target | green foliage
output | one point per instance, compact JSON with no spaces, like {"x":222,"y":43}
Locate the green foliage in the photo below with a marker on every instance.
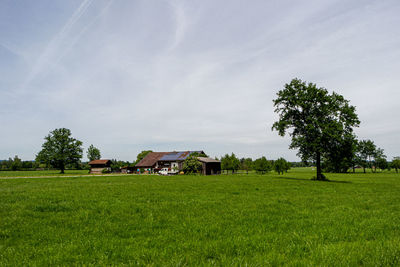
{"x":116,"y":165}
{"x":396,"y":164}
{"x":230,"y":162}
{"x":281,"y":165}
{"x":60,"y":149}
{"x":246,"y":164}
{"x":93,"y":153}
{"x":370,"y":156}
{"x":16,"y":164}
{"x":105,"y":170}
{"x":382,"y":163}
{"x":191,"y":164}
{"x":342,"y":156}
{"x":262,"y":165}
{"x":249,"y":220}
{"x":318,"y":121}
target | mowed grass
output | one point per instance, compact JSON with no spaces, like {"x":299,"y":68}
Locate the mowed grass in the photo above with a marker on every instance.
{"x":254,"y":220}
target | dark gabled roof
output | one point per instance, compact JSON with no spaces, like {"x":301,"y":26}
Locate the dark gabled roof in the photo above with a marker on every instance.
{"x":207,"y":160}
{"x":178,"y":156}
{"x":150,"y":159}
{"x":99,"y":161}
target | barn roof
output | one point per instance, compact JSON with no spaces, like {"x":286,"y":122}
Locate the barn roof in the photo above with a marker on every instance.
{"x":99,"y":161}
{"x":207,"y":160}
{"x":178,"y":156}
{"x":150,"y":159}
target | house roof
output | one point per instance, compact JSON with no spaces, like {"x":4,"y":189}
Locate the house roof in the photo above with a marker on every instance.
{"x":150,"y":159}
{"x":99,"y":161}
{"x":178,"y":156}
{"x":207,"y":160}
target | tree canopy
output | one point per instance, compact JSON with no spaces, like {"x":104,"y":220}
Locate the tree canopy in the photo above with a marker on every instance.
{"x":60,"y":149}
{"x":281,"y":165}
{"x":191,"y":164}
{"x":318,"y":121}
{"x":93,"y":153}
{"x":230,"y":162}
{"x":262,"y":165}
{"x":396,"y":163}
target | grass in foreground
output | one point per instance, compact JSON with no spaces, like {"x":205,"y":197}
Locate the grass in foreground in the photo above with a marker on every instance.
{"x":196,"y":220}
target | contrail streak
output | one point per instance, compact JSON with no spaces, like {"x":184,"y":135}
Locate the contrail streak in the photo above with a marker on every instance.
{"x":51,"y":49}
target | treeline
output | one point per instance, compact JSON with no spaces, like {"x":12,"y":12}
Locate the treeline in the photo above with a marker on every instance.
{"x":354,"y":154}
{"x":260,"y":165}
{"x":16,"y":164}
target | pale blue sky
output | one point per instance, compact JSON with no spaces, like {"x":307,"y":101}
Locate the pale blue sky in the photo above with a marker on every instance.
{"x":188,"y":75}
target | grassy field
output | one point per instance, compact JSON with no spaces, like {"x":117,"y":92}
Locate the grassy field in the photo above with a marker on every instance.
{"x":196,"y":220}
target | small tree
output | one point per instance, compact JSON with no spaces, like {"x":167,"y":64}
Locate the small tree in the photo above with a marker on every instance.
{"x":262,"y":165}
{"x":379,"y":159}
{"x":366,"y":151}
{"x":60,"y":149}
{"x":396,"y":164}
{"x":93,"y":153}
{"x":16,"y":164}
{"x":191,"y":164}
{"x":382,"y":164}
{"x":281,"y":165}
{"x":247,"y":164}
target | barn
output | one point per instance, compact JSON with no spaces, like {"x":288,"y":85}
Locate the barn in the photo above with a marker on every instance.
{"x":210,"y":166}
{"x":98,"y":165}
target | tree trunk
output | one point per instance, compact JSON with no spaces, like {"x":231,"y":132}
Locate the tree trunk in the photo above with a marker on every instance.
{"x":364,"y":169}
{"x":319,"y":171}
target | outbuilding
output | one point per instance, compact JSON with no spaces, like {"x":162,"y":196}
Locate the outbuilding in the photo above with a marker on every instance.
{"x":98,"y":165}
{"x":210,"y":166}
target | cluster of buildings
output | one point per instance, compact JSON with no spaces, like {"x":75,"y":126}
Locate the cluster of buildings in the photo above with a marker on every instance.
{"x":155,"y":162}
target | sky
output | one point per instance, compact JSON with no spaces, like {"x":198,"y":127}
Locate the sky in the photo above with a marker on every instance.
{"x":166,"y":75}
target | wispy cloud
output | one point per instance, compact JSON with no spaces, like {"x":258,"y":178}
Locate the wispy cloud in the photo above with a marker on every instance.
{"x":46,"y":59}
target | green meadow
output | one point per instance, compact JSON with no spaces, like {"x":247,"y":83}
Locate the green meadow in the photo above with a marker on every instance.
{"x":255,"y":220}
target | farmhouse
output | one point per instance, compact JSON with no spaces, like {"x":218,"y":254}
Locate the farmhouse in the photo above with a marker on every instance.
{"x":150,"y":162}
{"x":98,"y":165}
{"x":155,"y":161}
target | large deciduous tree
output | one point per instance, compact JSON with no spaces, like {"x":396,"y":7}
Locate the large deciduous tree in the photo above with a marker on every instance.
{"x":60,"y":149}
{"x":317,"y":119}
{"x":93,"y":153}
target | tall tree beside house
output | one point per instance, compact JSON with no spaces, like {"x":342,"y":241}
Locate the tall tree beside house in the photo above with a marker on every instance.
{"x":60,"y":149}
{"x":93,"y":153}
{"x":191,"y":165}
{"x":141,"y":155}
{"x":317,"y":120}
